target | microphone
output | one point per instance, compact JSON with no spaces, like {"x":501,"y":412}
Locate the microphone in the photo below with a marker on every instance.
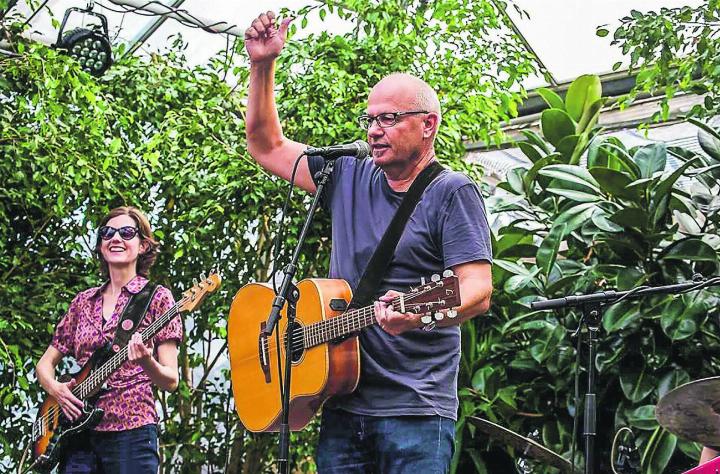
{"x":358,"y":149}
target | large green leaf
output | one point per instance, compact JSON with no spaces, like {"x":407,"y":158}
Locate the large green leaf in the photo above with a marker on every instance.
{"x":576,"y":216}
{"x":566,"y":146}
{"x":693,"y":249}
{"x":529,"y":180}
{"x":551,"y":98}
{"x":615,"y":183}
{"x":619,"y":316}
{"x":548,"y":250}
{"x":661,"y":192}
{"x":574,"y":195}
{"x":603,"y":223}
{"x":651,"y":159}
{"x":658,"y":452}
{"x":630,"y":217}
{"x":674,"y":378}
{"x":571,"y":173}
{"x":512,"y":267}
{"x":637,"y":384}
{"x":589,"y":117}
{"x":584,"y":91}
{"x":643,"y":417}
{"x":609,"y":152}
{"x":678,"y":319}
{"x":556,"y":124}
{"x":530,"y":151}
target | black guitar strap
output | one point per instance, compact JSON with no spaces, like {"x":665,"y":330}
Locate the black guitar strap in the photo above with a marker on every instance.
{"x":380,"y":260}
{"x":132,"y":315}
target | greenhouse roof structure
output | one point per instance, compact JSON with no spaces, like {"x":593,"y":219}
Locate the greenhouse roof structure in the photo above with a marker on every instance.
{"x":561,"y":34}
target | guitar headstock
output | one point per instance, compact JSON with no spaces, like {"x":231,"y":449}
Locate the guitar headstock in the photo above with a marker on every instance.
{"x":438,"y":294}
{"x":194,"y":296}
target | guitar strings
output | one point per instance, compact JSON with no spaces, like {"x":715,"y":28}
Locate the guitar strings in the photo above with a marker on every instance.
{"x":322,"y":329}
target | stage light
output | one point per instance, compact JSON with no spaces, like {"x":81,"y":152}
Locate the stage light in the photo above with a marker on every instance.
{"x":89,"y":46}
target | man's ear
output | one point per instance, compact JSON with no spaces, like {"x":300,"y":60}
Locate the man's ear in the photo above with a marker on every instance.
{"x":430,"y":125}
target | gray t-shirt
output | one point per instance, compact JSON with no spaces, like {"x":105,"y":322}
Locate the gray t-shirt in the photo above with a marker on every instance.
{"x":414,"y":373}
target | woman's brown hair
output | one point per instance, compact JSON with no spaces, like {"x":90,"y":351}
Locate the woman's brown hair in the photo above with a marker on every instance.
{"x":146,"y":259}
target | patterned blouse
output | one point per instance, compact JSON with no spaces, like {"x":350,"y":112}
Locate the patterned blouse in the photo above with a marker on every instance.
{"x":128,"y":402}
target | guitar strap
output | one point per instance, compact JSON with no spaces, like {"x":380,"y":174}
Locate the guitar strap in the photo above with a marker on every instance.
{"x":132,"y":315}
{"x":380,"y":260}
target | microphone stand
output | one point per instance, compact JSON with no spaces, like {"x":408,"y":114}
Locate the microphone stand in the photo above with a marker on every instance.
{"x":290,"y":294}
{"x":592,"y":306}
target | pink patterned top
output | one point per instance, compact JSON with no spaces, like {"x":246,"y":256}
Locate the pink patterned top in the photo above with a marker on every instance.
{"x":129,"y":402}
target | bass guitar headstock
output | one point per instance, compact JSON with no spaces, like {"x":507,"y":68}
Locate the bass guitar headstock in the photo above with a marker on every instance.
{"x":194,"y":296}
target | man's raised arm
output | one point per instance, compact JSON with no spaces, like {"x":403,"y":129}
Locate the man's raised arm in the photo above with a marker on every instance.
{"x":264,"y":41}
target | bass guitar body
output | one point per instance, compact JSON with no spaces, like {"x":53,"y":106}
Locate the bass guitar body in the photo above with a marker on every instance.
{"x":52,"y":430}
{"x":319,"y":370}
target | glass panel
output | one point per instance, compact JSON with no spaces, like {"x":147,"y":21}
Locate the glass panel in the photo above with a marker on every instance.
{"x":562,"y":33}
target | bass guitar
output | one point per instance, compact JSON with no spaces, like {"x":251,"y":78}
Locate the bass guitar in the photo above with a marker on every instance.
{"x":326,"y":350}
{"x":52,"y":430}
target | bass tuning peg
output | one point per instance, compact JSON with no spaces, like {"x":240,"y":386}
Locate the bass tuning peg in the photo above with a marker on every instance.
{"x":448,"y":273}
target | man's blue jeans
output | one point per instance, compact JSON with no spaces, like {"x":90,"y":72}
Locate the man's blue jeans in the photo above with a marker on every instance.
{"x":352,"y":443}
{"x":113,"y":452}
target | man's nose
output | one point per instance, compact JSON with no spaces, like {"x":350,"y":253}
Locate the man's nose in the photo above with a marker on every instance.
{"x":375,"y":130}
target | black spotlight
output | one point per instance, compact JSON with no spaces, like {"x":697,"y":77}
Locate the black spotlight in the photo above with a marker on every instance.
{"x":89,"y":46}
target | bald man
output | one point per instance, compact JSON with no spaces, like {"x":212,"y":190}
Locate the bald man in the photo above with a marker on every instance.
{"x":401,"y":416}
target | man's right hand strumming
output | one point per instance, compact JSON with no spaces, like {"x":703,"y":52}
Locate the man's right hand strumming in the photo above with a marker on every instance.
{"x":264,"y":39}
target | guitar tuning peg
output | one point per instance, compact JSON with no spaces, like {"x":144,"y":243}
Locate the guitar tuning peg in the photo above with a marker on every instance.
{"x":438,"y":316}
{"x":448,"y":273}
{"x":451,"y":313}
{"x":195,"y":281}
{"x":422,"y":280}
{"x":426,"y":319}
{"x":435,"y":277}
{"x":202,"y":276}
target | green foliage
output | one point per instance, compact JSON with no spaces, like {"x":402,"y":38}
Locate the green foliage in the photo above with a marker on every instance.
{"x":171,"y":141}
{"x":620,"y":222}
{"x":674,"y":50}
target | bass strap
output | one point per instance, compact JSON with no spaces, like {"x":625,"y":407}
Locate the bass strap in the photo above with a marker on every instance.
{"x":380,"y":260}
{"x":132,"y":315}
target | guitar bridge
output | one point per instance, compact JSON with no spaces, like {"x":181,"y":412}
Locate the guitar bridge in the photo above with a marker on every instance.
{"x":263,"y":353}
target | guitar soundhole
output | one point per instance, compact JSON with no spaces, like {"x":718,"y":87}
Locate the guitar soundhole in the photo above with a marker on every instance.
{"x":298,"y":345}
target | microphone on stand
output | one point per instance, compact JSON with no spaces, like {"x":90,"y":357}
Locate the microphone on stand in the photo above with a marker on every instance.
{"x":358,"y":149}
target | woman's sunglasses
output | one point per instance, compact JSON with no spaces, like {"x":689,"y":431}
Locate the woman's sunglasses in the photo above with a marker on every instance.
{"x":126,"y":232}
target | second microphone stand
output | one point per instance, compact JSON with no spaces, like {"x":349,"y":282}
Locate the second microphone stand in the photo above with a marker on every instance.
{"x":592,"y":306}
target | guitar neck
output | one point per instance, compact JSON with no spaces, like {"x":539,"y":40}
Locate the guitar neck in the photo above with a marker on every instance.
{"x":99,"y":375}
{"x":340,"y":326}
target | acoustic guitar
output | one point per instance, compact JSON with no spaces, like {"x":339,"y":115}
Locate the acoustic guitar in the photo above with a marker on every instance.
{"x":326,"y":352}
{"x":52,"y":430}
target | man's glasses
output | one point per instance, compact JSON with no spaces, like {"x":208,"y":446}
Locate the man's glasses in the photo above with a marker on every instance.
{"x":126,"y":232}
{"x":388,"y":119}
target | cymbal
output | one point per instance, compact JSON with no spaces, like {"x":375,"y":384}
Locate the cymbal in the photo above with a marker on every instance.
{"x":692,"y":411}
{"x":526,"y":447}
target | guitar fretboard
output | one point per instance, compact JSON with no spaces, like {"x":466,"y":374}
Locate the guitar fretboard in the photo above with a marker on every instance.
{"x":340,"y":326}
